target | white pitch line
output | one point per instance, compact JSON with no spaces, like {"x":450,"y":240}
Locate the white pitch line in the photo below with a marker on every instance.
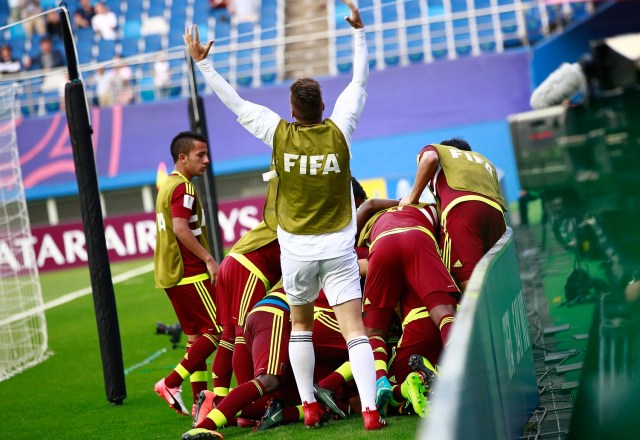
{"x":148,"y":360}
{"x":75,"y":295}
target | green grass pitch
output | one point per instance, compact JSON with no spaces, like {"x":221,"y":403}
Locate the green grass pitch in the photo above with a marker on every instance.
{"x":64,"y":397}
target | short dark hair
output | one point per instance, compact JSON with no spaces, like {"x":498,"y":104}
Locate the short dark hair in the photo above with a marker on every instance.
{"x":457,"y":142}
{"x":183,"y":143}
{"x":306,"y":99}
{"x":358,"y":190}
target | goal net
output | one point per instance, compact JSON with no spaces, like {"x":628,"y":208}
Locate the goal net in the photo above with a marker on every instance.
{"x":23,"y":330}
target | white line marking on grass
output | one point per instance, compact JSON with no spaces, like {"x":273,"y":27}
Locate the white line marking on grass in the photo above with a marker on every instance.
{"x":75,"y":295}
{"x":152,"y":357}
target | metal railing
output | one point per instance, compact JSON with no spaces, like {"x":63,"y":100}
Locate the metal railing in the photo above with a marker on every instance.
{"x":438,"y":33}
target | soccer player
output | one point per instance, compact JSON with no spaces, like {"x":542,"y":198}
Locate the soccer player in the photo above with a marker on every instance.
{"x":246,"y":274}
{"x":466,"y":185}
{"x":314,"y":211}
{"x":403,"y":257}
{"x":184,"y":266}
{"x":267,"y":332}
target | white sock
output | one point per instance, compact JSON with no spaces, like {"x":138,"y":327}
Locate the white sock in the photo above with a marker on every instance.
{"x":303,"y":359}
{"x":364,"y":372}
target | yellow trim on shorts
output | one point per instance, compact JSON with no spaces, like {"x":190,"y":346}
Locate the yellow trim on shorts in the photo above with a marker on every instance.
{"x":467,"y":198}
{"x":400,"y":230}
{"x":275,"y":343}
{"x":193,"y":279}
{"x":247,"y":293}
{"x":208,"y":303}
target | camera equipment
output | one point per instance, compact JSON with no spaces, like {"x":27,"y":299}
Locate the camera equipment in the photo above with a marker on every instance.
{"x":585,"y":162}
{"x":174,"y":331}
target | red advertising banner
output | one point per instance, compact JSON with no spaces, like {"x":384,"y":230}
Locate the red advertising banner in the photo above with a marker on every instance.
{"x":128,"y":237}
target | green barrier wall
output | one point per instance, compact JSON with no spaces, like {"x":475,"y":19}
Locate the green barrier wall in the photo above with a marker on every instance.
{"x":487,"y":386}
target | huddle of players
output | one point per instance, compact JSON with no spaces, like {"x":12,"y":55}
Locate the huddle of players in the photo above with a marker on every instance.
{"x":408,"y":252}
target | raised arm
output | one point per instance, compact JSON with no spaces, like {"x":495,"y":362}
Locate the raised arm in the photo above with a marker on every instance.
{"x":258,"y":120}
{"x":426,"y":169}
{"x":350,"y":103}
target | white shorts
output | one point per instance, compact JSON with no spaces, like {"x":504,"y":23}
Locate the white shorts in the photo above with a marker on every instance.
{"x":339,"y":278}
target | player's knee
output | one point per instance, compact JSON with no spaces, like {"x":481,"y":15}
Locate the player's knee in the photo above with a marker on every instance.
{"x":270,"y":382}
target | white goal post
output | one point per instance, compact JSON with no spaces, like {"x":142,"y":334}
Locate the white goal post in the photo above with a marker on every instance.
{"x":23,"y":336}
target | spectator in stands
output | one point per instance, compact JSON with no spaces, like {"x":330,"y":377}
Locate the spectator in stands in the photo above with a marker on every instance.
{"x":29,"y":8}
{"x":161,"y":75}
{"x":83,"y":15}
{"x":122,"y":76}
{"x":104,"y":22}
{"x":14,"y":10}
{"x":48,"y":57}
{"x":8,"y":64}
{"x":105,"y":81}
{"x":244,"y":10}
{"x":53,"y":25}
{"x":221,"y":9}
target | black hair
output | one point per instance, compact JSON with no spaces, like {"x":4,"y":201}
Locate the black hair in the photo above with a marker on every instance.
{"x":183,"y":143}
{"x":457,"y":142}
{"x":358,"y":190}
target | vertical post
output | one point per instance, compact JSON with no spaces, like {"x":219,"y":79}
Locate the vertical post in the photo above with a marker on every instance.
{"x":206,"y":185}
{"x":103,"y":295}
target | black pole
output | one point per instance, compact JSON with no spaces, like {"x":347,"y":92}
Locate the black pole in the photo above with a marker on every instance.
{"x":104,"y":300}
{"x":206,"y":185}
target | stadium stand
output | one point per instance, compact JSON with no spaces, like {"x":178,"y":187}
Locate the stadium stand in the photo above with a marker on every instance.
{"x":253,"y":54}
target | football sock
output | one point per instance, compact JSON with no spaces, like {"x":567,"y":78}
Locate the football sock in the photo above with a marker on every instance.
{"x":175,"y":378}
{"x":199,"y":380}
{"x":362,"y":365}
{"x":445,"y":327}
{"x":380,"y":356}
{"x":339,"y":377}
{"x":302,"y":358}
{"x":221,"y":370}
{"x":242,"y":361}
{"x":200,"y":350}
{"x":236,"y":400}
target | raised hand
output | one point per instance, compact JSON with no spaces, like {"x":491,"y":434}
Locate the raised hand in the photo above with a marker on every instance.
{"x":197,"y":50}
{"x":355,"y":21}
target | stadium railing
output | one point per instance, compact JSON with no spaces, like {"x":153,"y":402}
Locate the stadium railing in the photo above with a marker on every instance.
{"x":399,"y":32}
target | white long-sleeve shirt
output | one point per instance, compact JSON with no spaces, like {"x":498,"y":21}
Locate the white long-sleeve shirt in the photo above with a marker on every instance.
{"x":262,"y":123}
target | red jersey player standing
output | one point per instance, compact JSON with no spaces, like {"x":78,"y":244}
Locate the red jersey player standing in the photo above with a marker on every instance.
{"x":183,"y":264}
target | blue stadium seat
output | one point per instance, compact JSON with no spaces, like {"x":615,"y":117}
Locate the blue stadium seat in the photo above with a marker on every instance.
{"x":16,"y":32}
{"x":152,"y":43}
{"x":130,"y":47}
{"x":438,"y":40}
{"x":462,"y":36}
{"x":486,"y":33}
{"x":391,"y":47}
{"x":131,"y":29}
{"x":106,"y":50}
{"x":415,"y":50}
{"x":52,"y":101}
{"x":175,"y":38}
{"x":156,"y":8}
{"x":84,"y":34}
{"x":84,"y":49}
{"x":134,"y":10}
{"x":145,"y":85}
{"x":115,"y":6}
